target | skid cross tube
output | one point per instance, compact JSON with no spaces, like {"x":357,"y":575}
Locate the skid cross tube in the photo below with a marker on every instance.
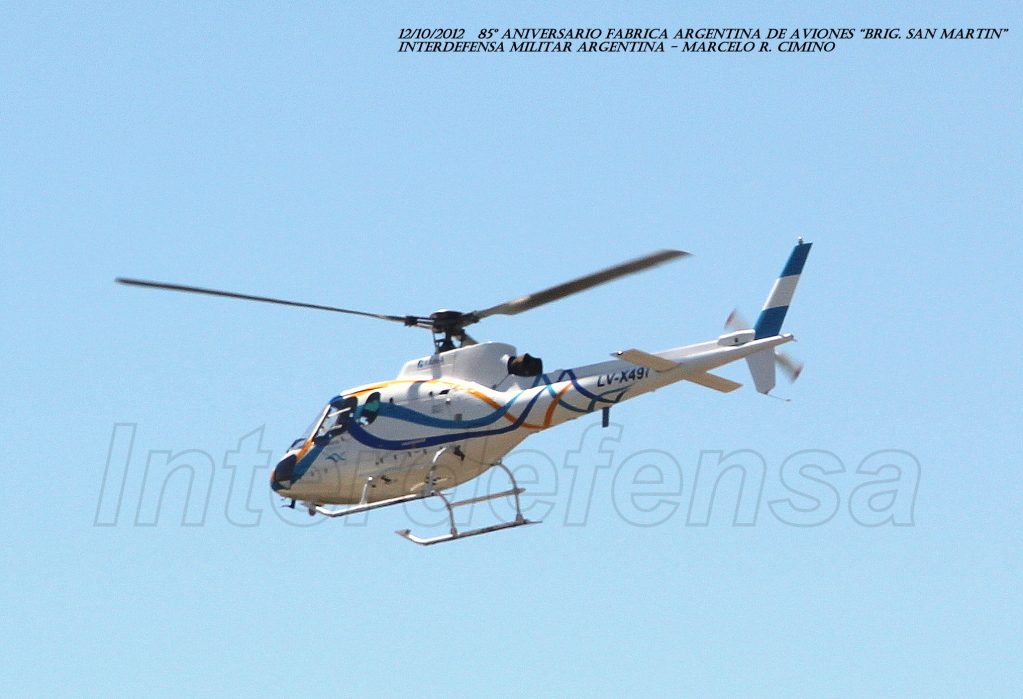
{"x":429,"y":492}
{"x":453,"y":533}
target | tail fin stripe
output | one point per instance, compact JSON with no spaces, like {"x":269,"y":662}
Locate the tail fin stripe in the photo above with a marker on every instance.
{"x":781,"y":294}
{"x":797,"y":260}
{"x":769,"y":322}
{"x":773,"y":315}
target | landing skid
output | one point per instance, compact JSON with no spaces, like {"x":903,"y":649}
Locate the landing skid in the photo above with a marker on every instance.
{"x":429,"y":492}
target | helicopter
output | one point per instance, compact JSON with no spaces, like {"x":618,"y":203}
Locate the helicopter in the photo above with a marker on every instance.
{"x":451,"y":416}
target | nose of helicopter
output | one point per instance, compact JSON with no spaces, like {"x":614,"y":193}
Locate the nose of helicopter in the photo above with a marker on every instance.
{"x":281,"y":478}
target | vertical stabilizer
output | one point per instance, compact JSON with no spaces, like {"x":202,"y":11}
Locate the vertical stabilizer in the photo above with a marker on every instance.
{"x":761,"y":364}
{"x":761,"y":368}
{"x":777,"y":304}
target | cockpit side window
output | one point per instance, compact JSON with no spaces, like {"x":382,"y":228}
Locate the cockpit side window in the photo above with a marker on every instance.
{"x":369,"y":411}
{"x":336,"y":420}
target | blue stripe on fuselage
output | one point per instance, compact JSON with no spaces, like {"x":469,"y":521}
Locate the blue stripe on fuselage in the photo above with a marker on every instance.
{"x":400,"y":412}
{"x":370,"y":440}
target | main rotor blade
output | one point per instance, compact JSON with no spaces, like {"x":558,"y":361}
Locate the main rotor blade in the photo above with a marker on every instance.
{"x":560,"y":291}
{"x":405,"y":320}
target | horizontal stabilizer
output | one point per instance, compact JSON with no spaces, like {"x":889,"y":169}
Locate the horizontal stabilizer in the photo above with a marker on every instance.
{"x":645,"y":359}
{"x":718,"y":383}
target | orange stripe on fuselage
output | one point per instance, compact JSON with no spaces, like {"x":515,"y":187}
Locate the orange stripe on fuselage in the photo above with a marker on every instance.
{"x":455,"y":384}
{"x":554,"y":404}
{"x":461,"y":386}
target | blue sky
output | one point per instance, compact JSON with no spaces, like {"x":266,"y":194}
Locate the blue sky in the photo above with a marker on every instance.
{"x":290,"y":150}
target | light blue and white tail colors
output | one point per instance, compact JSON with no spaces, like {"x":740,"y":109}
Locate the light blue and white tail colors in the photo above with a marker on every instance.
{"x":777,"y":304}
{"x":761,"y":364}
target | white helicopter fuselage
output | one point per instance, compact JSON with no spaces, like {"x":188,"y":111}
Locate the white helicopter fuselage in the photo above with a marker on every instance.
{"x":457,"y":413}
{"x":449,"y":417}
